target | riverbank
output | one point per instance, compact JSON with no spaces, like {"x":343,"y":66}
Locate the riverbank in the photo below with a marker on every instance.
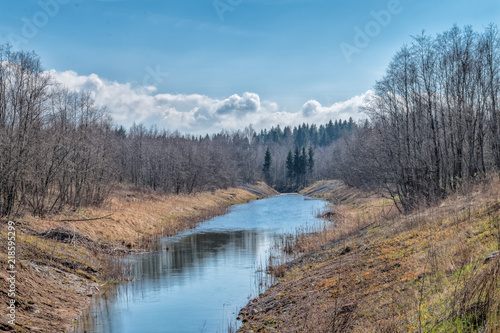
{"x":379,"y":271}
{"x":63,"y":260}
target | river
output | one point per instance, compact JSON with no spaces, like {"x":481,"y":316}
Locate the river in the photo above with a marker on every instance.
{"x":199,"y":279}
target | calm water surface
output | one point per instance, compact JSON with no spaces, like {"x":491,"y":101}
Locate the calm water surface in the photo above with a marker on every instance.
{"x":207,"y":274}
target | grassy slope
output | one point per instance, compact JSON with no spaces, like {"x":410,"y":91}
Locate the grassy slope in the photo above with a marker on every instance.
{"x":55,"y":279}
{"x":136,"y":216}
{"x":378,"y":271}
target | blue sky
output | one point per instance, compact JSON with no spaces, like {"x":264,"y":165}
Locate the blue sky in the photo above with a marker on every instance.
{"x":281,"y":54}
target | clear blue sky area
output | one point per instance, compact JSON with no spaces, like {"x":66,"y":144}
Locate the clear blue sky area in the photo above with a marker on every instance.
{"x":286,"y":51}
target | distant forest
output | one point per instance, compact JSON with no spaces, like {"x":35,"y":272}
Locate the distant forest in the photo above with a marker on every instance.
{"x":432,"y":126}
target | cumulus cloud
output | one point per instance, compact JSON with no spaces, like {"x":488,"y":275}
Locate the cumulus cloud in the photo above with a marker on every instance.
{"x":200,"y":114}
{"x":248,"y":103}
{"x":313,"y":111}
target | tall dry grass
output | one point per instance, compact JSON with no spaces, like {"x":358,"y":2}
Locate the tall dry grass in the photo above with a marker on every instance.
{"x":133,"y":219}
{"x":342,"y":222}
{"x":422,"y":272}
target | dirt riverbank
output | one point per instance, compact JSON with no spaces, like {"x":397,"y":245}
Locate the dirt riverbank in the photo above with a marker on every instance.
{"x":375,"y":270}
{"x":63,"y":260}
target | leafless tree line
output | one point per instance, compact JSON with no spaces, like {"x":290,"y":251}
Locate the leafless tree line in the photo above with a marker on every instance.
{"x":434,"y":122}
{"x":173,"y":163}
{"x":53,"y":143}
{"x":58,"y":149}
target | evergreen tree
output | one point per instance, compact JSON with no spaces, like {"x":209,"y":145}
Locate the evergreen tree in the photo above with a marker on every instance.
{"x":313,"y":135}
{"x":289,"y":165}
{"x":350,"y":125}
{"x":297,"y":165}
{"x":266,"y":169}
{"x":330,"y":131}
{"x":287,"y":132}
{"x":310,"y":162}
{"x":303,"y":166}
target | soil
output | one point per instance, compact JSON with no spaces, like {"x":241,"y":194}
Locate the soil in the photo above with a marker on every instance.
{"x":48,"y":299}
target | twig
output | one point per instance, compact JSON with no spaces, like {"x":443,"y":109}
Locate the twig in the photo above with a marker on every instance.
{"x":82,"y":220}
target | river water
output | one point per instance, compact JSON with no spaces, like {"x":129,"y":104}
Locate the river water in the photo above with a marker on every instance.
{"x":206,"y":275}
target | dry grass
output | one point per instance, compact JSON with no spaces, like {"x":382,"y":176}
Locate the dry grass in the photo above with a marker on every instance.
{"x":64,"y":259}
{"x":53,"y":281}
{"x":424,"y":272}
{"x":353,"y":212}
{"x":137,"y":217}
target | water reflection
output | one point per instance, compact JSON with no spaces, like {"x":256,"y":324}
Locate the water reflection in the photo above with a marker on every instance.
{"x":206,"y":274}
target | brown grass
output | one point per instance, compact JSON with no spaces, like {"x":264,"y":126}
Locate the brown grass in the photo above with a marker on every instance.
{"x":137,"y":217}
{"x":64,"y":259}
{"x":53,"y":281}
{"x":423,"y":272}
{"x":353,"y":212}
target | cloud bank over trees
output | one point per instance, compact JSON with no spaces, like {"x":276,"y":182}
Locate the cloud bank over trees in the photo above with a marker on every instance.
{"x":200,"y":114}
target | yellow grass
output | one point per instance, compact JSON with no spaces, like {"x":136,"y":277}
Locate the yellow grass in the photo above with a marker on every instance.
{"x":54,"y":279}
{"x":379,"y":271}
{"x":136,"y":215}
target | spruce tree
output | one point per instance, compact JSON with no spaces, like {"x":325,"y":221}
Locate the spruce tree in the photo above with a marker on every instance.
{"x":310,"y":162}
{"x":266,"y":168}
{"x":289,"y":166}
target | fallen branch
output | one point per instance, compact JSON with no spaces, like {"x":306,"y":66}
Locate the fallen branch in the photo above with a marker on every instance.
{"x":82,"y":220}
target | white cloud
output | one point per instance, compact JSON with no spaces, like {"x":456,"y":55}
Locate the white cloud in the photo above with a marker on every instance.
{"x":313,"y":111}
{"x":200,"y":114}
{"x":248,"y":103}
